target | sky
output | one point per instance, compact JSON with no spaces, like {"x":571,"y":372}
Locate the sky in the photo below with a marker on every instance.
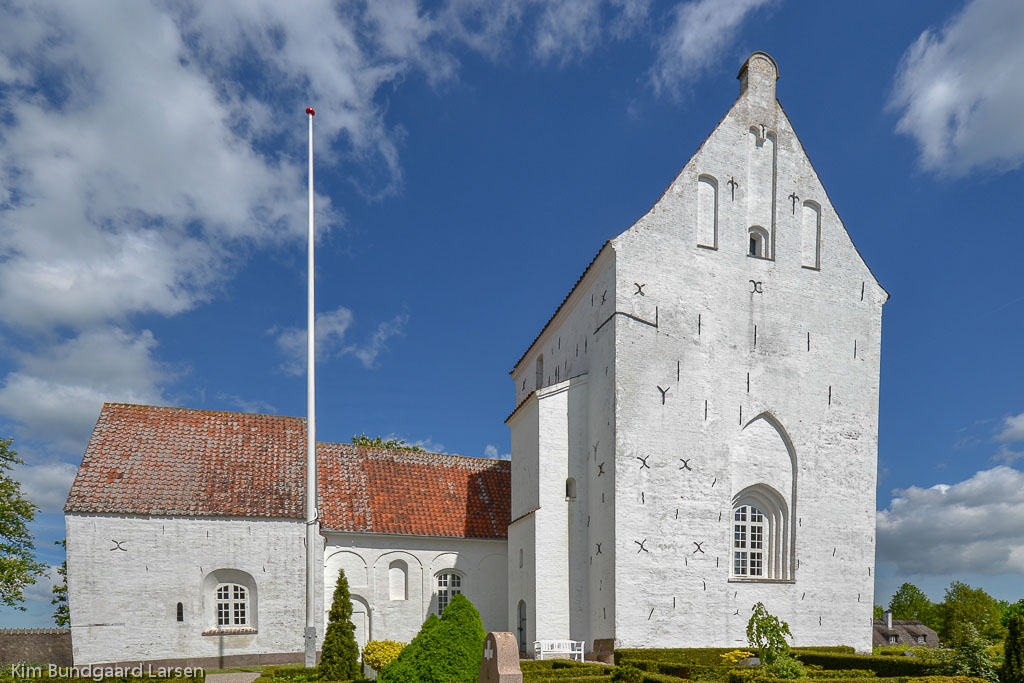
{"x":472,"y":156}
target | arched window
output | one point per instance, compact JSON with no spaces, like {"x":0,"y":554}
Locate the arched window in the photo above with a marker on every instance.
{"x":760,"y":534}
{"x":520,"y":558}
{"x":232,"y":606}
{"x":570,"y":488}
{"x":181,"y":612}
{"x":449,"y":584}
{"x":397,"y":573}
{"x":540,"y":371}
{"x":758,"y":242}
{"x":230,"y":602}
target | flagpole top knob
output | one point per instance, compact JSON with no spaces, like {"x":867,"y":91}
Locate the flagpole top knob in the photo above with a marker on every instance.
{"x":310,"y":111}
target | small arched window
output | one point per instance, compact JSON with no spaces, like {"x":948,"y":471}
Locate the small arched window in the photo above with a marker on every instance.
{"x":570,"y":488}
{"x":758,"y":242}
{"x":181,"y":612}
{"x":232,"y":605}
{"x":520,"y":558}
{"x":540,"y":372}
{"x":449,"y":584}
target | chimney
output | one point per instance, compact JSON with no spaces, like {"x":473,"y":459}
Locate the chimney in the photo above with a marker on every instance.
{"x":758,"y":75}
{"x":888,"y":619}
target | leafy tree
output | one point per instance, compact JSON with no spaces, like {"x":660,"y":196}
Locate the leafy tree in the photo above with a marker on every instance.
{"x":18,"y":565}
{"x":1013,"y":654}
{"x":339,"y":658}
{"x":1008,"y":611}
{"x":878,"y":612}
{"x":61,"y":612}
{"x":910,"y":602}
{"x":965,"y":605}
{"x":970,"y":657}
{"x":378,"y":442}
{"x":446,"y":650}
{"x":768,"y":634}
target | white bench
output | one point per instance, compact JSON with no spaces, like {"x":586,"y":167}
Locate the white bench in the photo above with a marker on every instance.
{"x":573,"y":648}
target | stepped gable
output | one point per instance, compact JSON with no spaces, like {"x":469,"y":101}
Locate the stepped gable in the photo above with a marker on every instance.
{"x":147,"y":460}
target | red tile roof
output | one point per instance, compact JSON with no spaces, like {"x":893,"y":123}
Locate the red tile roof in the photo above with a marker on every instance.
{"x":147,"y":460}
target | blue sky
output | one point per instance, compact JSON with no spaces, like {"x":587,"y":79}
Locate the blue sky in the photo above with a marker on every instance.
{"x":472,"y":157}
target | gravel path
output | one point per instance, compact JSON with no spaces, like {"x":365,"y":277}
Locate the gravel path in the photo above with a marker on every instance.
{"x":240,"y":677}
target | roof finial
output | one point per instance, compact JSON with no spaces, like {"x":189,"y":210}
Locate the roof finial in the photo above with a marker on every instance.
{"x":758,"y":75}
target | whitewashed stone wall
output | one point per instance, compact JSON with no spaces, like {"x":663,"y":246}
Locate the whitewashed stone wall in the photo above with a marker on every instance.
{"x":795,"y":338}
{"x":709,"y":371}
{"x":380,"y":610}
{"x":124,"y":602}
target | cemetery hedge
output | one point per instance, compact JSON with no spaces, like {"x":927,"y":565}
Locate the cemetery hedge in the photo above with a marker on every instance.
{"x":892,"y":667}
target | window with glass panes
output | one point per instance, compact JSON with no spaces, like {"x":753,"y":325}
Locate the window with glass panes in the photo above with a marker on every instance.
{"x":748,"y":541}
{"x":449,"y":584}
{"x":232,"y":605}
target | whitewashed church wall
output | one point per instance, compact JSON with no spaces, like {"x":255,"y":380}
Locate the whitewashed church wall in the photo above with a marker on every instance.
{"x":127,"y":574}
{"x":522,"y":584}
{"x":738,"y":336}
{"x":481,"y":564}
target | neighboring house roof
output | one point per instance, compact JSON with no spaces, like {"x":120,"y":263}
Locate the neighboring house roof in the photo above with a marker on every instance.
{"x":147,"y":460}
{"x":907,"y":632}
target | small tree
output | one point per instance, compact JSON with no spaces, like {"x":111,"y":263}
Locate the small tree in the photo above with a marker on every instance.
{"x":1013,"y":655}
{"x":910,"y":602}
{"x":380,"y":442}
{"x":970,"y":657}
{"x":61,"y":613}
{"x":339,"y":659}
{"x":18,"y":565}
{"x":768,"y":634}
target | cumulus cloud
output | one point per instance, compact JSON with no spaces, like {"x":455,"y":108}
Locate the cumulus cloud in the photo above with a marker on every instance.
{"x":958,"y":90}
{"x":331,"y":330}
{"x":1012,"y":433}
{"x":58,"y":390}
{"x":46,"y":485}
{"x":247,"y":405}
{"x":698,"y":34}
{"x":491,"y":453}
{"x":970,"y":526}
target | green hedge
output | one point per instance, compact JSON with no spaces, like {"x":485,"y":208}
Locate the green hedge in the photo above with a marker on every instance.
{"x":826,"y":648}
{"x":737,"y":677}
{"x":272,"y":674}
{"x":704,"y":656}
{"x":882,"y":666}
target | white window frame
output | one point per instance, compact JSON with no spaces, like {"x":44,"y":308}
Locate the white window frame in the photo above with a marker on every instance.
{"x":448,"y":584}
{"x":231,"y":606}
{"x":759,"y":234}
{"x":748,"y":542}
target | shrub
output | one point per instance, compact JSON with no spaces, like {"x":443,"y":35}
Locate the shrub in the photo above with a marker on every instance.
{"x":882,"y":666}
{"x":767,"y":633}
{"x":446,"y":650}
{"x":627,"y":674}
{"x":379,"y":653}
{"x":969,"y":655}
{"x":784,"y":666}
{"x":339,"y":658}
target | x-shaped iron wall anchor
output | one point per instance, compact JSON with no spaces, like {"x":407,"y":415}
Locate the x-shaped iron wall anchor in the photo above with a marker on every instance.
{"x":686,"y":464}
{"x":639,"y":289}
{"x":643,"y":461}
{"x":663,"y":392}
{"x":699,"y":548}
{"x":641,"y":544}
{"x":756,"y":287}
{"x":118,"y":546}
{"x":598,"y":549}
{"x":600,"y":469}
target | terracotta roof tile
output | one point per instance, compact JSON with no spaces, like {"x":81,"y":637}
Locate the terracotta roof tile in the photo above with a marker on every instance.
{"x":173,"y":461}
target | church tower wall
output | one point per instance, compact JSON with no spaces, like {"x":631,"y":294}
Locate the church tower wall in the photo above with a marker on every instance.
{"x":746,"y":376}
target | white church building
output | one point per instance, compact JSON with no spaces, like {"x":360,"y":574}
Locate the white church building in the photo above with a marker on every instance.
{"x":694,"y":431}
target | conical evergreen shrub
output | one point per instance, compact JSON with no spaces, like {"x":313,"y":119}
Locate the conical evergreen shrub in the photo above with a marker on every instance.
{"x":1013,"y":654}
{"x":339,"y":658}
{"x":446,"y":650}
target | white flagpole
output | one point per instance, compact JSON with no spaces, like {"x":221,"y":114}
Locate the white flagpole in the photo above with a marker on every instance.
{"x":311,"y":513}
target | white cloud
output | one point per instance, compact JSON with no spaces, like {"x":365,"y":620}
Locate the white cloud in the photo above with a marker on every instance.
{"x":57,"y":392}
{"x":700,"y":32}
{"x":42,"y":590}
{"x":428,"y":444}
{"x":491,"y":453}
{"x":331,"y":330}
{"x":958,"y":90}
{"x":46,"y":485}
{"x":970,"y":526}
{"x":247,"y":405}
{"x":1013,"y":429}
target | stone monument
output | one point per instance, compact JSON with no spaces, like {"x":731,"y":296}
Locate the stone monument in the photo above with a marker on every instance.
{"x":501,"y":659}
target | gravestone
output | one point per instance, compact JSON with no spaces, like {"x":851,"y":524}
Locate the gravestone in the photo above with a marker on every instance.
{"x":501,"y":659}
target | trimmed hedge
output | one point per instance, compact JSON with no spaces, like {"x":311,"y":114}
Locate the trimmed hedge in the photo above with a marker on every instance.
{"x":882,"y":666}
{"x":298,"y":674}
{"x":825,"y":648}
{"x":704,"y":656}
{"x":737,"y":677}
